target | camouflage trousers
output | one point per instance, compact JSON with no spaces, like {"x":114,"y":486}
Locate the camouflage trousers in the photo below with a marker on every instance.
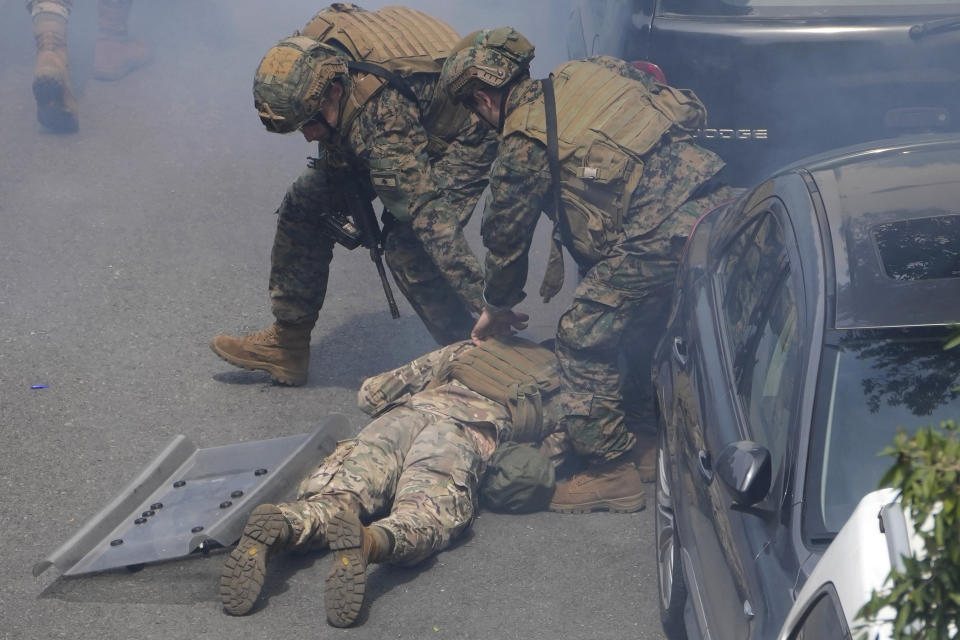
{"x":410,"y":471}
{"x":619,"y":309}
{"x":303,"y":250}
{"x":63,"y":7}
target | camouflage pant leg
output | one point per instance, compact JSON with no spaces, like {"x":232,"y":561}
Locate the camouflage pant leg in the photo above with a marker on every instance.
{"x":443,"y":312}
{"x":360,"y":474}
{"x":436,"y":496}
{"x":302,"y":250}
{"x":425,"y":466}
{"x":650,"y":320}
{"x":617,"y":304}
{"x":60,"y":7}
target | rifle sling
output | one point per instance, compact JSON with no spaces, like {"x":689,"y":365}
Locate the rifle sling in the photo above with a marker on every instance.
{"x":553,"y":158}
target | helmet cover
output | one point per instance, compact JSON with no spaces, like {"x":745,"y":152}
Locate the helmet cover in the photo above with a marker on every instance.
{"x":486,"y":59}
{"x":290,"y":83}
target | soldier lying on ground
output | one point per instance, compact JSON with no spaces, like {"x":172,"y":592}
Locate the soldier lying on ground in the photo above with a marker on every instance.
{"x":412,"y":474}
{"x":364,"y":85}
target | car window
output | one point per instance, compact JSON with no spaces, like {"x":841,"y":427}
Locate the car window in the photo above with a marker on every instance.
{"x":873,"y":382}
{"x":822,"y":622}
{"x":759,"y":317}
{"x":919,"y":249}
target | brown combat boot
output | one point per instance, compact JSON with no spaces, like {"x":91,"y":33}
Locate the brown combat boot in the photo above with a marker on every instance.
{"x":245,"y":569}
{"x":56,"y":107}
{"x":116,"y":54}
{"x":354,"y":546}
{"x":282,"y":350}
{"x":614,"y":486}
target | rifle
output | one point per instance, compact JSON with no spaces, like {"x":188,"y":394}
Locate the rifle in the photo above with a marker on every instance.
{"x":360,"y":208}
{"x":351,"y":221}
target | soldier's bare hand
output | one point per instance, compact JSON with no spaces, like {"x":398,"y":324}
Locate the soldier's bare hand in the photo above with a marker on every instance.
{"x":491,"y":324}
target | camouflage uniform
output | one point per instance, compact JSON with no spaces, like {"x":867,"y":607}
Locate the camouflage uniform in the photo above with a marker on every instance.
{"x":621,"y":303}
{"x":432,"y":188}
{"x":61,"y":5}
{"x":416,"y":466}
{"x":429,"y":256}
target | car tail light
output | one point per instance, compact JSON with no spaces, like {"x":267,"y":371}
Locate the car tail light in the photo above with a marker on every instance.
{"x":652,"y":69}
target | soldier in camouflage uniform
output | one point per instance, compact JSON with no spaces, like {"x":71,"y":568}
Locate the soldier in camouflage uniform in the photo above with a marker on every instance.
{"x":412,"y":473}
{"x":115,"y":55}
{"x":631,"y":185}
{"x":363,"y":85}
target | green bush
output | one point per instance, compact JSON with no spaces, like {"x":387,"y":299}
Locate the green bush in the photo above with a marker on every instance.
{"x":926,"y":594}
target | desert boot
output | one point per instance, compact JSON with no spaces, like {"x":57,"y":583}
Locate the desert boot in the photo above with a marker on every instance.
{"x":613,"y":486}
{"x":282,"y":350}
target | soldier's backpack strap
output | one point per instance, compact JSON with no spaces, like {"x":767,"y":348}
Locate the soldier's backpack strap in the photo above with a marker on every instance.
{"x":394,"y":79}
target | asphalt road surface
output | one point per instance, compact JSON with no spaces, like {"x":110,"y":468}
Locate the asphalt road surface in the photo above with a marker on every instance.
{"x":123,"y":249}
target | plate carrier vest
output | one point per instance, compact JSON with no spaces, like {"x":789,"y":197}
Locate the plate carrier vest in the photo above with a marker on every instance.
{"x":402,"y":42}
{"x":514,"y":372}
{"x":606,"y":124}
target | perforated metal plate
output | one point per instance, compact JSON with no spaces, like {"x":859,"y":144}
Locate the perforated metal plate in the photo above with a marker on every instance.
{"x":189,"y":499}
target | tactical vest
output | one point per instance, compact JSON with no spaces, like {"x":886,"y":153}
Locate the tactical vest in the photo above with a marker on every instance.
{"x":400,"y":40}
{"x":514,"y":372}
{"x":606,"y":124}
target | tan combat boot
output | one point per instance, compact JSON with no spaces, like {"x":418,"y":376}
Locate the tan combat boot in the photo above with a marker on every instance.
{"x":116,"y":54}
{"x":245,"y":569}
{"x":615,"y":486}
{"x":282,"y":350}
{"x":354,"y":546}
{"x":56,"y":107}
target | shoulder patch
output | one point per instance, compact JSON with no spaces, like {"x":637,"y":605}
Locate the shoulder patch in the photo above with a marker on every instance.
{"x":384,"y":179}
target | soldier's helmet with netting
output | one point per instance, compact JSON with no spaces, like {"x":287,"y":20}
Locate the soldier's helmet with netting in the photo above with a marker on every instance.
{"x":486,"y":59}
{"x":290,"y":83}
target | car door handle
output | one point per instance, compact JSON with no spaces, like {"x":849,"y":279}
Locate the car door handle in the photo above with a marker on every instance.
{"x":705,"y":465}
{"x":680,"y":351}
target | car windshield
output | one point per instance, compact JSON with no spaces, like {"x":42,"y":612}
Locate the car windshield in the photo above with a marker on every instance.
{"x":874,"y":382}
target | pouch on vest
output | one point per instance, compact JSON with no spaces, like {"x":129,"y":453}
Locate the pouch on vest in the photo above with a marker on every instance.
{"x":519,"y":479}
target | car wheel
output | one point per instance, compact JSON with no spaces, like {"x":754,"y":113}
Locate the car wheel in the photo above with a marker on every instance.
{"x":673,"y":588}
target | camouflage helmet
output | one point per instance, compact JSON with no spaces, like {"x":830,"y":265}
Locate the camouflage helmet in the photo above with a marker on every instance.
{"x":488,"y":59}
{"x":290,"y":83}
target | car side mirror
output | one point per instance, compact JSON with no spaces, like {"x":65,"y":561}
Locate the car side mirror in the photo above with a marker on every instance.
{"x":745,"y":468}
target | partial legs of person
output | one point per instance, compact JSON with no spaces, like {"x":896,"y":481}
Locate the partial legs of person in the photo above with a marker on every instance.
{"x":419,"y":469}
{"x":442,"y":311}
{"x":116,"y":54}
{"x":640,"y":341}
{"x":300,"y":268}
{"x":620,"y":307}
{"x":588,"y":345}
{"x":56,"y":106}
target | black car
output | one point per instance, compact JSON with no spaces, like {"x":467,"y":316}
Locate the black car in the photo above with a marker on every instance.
{"x":783,"y":79}
{"x":808,"y":325}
